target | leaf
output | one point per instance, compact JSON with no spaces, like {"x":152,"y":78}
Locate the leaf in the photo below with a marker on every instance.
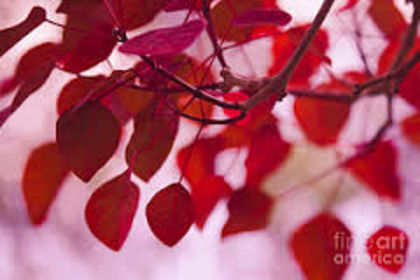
{"x":154,"y":133}
{"x":110,"y":210}
{"x":387,"y":18}
{"x":177,"y":5}
{"x":170,"y":214}
{"x":90,"y":39}
{"x":321,"y":120}
{"x":262,"y":16}
{"x":249,"y":210}
{"x":349,"y":5}
{"x":411,"y":128}
{"x":10,"y":36}
{"x":87,"y":137}
{"x":409,"y":87}
{"x":32,"y":71}
{"x":388,"y":247}
{"x":284,"y":47}
{"x":322,"y":247}
{"x":206,"y":195}
{"x":43,"y":177}
{"x":266,"y":153}
{"x":164,"y":41}
{"x":378,"y":170}
{"x":226,"y":11}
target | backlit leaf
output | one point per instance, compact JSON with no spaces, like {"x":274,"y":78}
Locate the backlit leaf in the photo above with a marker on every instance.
{"x":87,"y":137}
{"x":387,"y":18}
{"x":170,"y":214}
{"x":262,"y":16}
{"x":110,"y":210}
{"x":44,"y":174}
{"x":411,"y":128}
{"x":322,"y":247}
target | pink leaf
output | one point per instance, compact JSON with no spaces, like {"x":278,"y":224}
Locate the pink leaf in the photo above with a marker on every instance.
{"x":111,"y":209}
{"x":164,"y":41}
{"x":262,"y":16}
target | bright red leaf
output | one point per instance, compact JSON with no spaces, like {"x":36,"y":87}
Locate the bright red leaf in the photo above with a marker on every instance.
{"x":164,"y":41}
{"x":411,"y":128}
{"x":349,"y":5}
{"x":206,"y":194}
{"x":10,"y":36}
{"x":87,"y":137}
{"x":322,"y":247}
{"x":321,"y":120}
{"x":387,"y":18}
{"x":378,"y":170}
{"x":44,"y":174}
{"x":249,"y":210}
{"x":409,"y":87}
{"x":262,"y":16}
{"x":170,"y":214}
{"x":388,"y":247}
{"x":110,"y":210}
{"x":155,"y":130}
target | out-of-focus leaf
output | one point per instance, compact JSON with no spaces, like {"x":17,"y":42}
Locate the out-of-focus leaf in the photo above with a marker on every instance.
{"x":260,"y":16}
{"x":388,"y":247}
{"x":10,"y":36}
{"x":411,"y":128}
{"x":249,"y":210}
{"x":349,"y":5}
{"x":44,"y":174}
{"x":177,"y":5}
{"x":387,"y":18}
{"x":378,"y":170}
{"x":110,"y":210}
{"x":87,"y":137}
{"x":164,"y":41}
{"x":322,"y":247}
{"x":170,"y":214}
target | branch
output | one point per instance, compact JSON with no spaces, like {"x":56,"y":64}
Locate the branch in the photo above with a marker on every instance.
{"x":279,"y":82}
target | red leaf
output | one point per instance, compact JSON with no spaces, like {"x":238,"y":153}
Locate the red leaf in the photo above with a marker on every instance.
{"x":170,"y":214}
{"x":262,"y":16}
{"x":322,"y":247}
{"x":87,"y":137}
{"x":249,"y":210}
{"x":164,"y":41}
{"x":387,"y":18}
{"x":349,"y":5}
{"x":10,"y":36}
{"x":409,"y":87}
{"x":387,"y":248}
{"x":32,"y":71}
{"x":224,"y":13}
{"x":284,"y":46}
{"x":411,"y":128}
{"x":44,"y":174}
{"x":321,"y":120}
{"x":266,"y":152}
{"x":110,"y":210}
{"x":378,"y":169}
{"x":154,"y":133}
{"x":206,"y":194}
{"x":90,"y":39}
{"x":177,"y":5}
{"x":201,"y":157}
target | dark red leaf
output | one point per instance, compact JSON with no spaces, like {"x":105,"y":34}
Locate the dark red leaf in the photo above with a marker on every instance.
{"x":321,"y":120}
{"x":409,"y":87}
{"x":87,"y":137}
{"x":154,"y":133}
{"x":10,"y":36}
{"x":266,"y":153}
{"x":110,"y":210}
{"x":249,"y":210}
{"x":378,"y":169}
{"x":206,"y":194}
{"x":411,"y":128}
{"x":387,"y":248}
{"x":177,"y":5}
{"x":224,"y":13}
{"x":262,"y":16}
{"x":387,"y":18}
{"x":44,"y":174}
{"x":89,"y":38}
{"x":164,"y":41}
{"x":170,"y":214}
{"x":322,"y":247}
{"x":284,"y":46}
